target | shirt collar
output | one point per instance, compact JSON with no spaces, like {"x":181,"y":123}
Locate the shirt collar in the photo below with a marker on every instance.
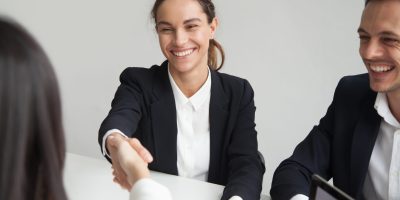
{"x":382,"y":107}
{"x":197,"y":99}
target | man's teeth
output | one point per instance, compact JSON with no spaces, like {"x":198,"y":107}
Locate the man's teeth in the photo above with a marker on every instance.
{"x":381,"y":68}
{"x":182,"y":53}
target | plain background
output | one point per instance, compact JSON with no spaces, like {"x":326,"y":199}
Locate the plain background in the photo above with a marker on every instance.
{"x":292,"y":52}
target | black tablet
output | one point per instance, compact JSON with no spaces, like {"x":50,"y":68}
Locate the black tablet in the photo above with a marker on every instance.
{"x":322,"y":190}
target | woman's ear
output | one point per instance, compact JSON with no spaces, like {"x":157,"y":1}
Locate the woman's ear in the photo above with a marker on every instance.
{"x":213,"y":26}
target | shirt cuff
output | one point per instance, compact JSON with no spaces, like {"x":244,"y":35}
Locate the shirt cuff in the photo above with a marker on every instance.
{"x":148,"y":189}
{"x":103,"y":145}
{"x":235,"y":198}
{"x":299,"y":197}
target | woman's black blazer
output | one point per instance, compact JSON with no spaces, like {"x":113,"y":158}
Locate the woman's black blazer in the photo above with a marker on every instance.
{"x":144,"y":107}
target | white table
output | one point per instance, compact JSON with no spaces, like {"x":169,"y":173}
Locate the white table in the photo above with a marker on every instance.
{"x":90,"y":178}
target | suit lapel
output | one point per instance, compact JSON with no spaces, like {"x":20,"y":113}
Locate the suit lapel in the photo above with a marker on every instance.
{"x":218,"y":114}
{"x":364,"y":138}
{"x":163,"y":117}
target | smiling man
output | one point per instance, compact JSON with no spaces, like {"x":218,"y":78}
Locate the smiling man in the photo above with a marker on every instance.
{"x":357,"y":142}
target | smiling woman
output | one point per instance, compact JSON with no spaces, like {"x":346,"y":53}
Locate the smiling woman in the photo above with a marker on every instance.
{"x":195,"y":121}
{"x":206,"y":23}
{"x":184,"y":38}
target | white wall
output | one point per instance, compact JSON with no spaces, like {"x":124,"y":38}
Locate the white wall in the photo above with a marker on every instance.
{"x":292,"y":52}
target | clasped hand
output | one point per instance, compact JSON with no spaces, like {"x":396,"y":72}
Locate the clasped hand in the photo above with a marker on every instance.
{"x":129,"y":160}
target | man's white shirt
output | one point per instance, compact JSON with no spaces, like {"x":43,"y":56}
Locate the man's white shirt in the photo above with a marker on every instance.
{"x":383,"y":178}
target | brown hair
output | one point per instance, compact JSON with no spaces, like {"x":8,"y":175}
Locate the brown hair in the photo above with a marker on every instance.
{"x":32,"y":145}
{"x":367,"y":1}
{"x":209,"y":9}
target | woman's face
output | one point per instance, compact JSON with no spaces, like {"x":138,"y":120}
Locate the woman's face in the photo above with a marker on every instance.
{"x":184,"y":34}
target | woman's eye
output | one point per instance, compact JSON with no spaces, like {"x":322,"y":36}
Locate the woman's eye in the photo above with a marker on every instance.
{"x":192,"y":27}
{"x":165,"y":30}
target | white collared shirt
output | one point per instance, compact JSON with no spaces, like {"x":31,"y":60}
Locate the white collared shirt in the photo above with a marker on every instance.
{"x":383,"y":178}
{"x":193,"y":139}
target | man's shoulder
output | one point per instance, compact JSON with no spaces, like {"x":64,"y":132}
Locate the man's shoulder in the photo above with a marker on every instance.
{"x":354,"y":90}
{"x":358,"y":81}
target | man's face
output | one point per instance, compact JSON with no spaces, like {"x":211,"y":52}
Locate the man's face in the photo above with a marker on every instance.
{"x":380,"y":44}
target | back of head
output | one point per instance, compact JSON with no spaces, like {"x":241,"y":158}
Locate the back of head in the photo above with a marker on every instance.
{"x":32,"y":145}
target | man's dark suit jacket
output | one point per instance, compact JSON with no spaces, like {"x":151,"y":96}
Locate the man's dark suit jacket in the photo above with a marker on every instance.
{"x":144,"y":107}
{"x":339,"y":147}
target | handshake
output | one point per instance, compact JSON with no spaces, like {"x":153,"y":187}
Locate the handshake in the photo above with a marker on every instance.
{"x":129,"y":160}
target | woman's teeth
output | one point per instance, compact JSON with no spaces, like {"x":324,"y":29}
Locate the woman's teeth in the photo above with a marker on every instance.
{"x":182,"y":53}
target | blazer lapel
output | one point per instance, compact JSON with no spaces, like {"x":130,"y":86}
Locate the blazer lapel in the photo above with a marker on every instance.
{"x":163,"y":118}
{"x":363,"y":143}
{"x":218,"y":119}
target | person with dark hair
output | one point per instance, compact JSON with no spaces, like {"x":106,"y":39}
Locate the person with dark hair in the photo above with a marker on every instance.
{"x":32,"y":147}
{"x":357,"y":142}
{"x":195,"y":121}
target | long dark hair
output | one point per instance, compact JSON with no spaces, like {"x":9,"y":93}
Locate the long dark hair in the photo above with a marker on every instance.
{"x":209,"y":9}
{"x":32,"y":147}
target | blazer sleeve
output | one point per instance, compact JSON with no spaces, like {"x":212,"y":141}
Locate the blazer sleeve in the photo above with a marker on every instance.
{"x":245,"y":163}
{"x":125,"y":110}
{"x":312,"y":155}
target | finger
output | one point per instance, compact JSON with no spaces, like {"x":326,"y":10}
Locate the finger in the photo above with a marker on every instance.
{"x":124,"y":185}
{"x":120,"y":181}
{"x":114,"y":140}
{"x":127,"y":186}
{"x":114,"y":173}
{"x":119,"y":174}
{"x":115,"y":179}
{"x":117,"y":166}
{"x":142,"y":151}
{"x":111,"y":140}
